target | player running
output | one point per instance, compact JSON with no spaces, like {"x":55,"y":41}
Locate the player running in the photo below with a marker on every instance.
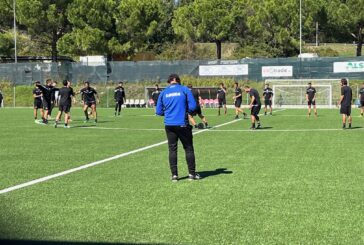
{"x":311,"y":99}
{"x":361,"y":98}
{"x":238,"y":99}
{"x":119,"y":96}
{"x":345,"y":102}
{"x":221,"y":97}
{"x":89,"y":98}
{"x":197,"y":111}
{"x":38,"y":101}
{"x":255,"y":106}
{"x":65,"y":102}
{"x":268,"y":95}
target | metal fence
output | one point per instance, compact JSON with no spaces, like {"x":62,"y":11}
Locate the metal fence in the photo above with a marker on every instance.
{"x":254,"y":69}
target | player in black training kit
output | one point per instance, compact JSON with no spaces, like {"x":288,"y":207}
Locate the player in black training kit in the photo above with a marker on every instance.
{"x":89,"y":99}
{"x":361,"y":98}
{"x":38,"y":101}
{"x":221,"y":97}
{"x":65,"y":102}
{"x":345,"y":102}
{"x":47,"y":98}
{"x":311,"y":99}
{"x":268,"y":95}
{"x":238,"y":99}
{"x":54,"y":97}
{"x":197,"y":97}
{"x":155,"y":95}
{"x":254,"y":105}
{"x":119,"y":96}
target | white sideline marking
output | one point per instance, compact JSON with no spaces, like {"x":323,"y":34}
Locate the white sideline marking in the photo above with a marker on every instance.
{"x":284,"y":130}
{"x":129,"y":129}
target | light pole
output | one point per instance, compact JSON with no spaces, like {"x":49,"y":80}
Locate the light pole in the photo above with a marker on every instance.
{"x":15,"y":38}
{"x":300,"y":27}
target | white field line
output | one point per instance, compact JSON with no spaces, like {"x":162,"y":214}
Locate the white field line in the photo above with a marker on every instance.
{"x":284,"y":130}
{"x":89,"y":165}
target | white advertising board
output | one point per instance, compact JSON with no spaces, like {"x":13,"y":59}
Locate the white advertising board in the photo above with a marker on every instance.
{"x":277,"y":71}
{"x":348,"y":67}
{"x":224,"y":70}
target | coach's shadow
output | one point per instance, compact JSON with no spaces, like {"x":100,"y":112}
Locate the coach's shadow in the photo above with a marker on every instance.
{"x":205,"y":174}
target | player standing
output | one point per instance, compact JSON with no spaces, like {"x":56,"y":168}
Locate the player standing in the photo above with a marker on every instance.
{"x":268,"y":95}
{"x":1,"y":99}
{"x":254,"y":105}
{"x":345,"y":102}
{"x":238,"y":100}
{"x":197,"y":111}
{"x":119,"y":96}
{"x":311,"y":99}
{"x":47,"y":98}
{"x":89,"y":98}
{"x":155,"y":95}
{"x":54,"y":97}
{"x":361,"y":98}
{"x":66,"y":93}
{"x":221,"y":97}
{"x":38,"y":103}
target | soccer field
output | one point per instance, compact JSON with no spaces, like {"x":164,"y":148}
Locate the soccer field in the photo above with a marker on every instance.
{"x":297,"y":181}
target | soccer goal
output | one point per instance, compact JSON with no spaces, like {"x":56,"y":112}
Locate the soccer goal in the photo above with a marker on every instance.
{"x":291,"y":93}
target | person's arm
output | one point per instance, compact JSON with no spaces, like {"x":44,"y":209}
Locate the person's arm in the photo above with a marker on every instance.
{"x":159,"y":109}
{"x":252,"y":99}
{"x":271,"y":95}
{"x":307,"y":96}
{"x":115,"y":93}
{"x":341,"y":97}
{"x":191,"y":103}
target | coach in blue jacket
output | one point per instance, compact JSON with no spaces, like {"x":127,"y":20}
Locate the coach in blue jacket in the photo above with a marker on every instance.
{"x":174,"y":103}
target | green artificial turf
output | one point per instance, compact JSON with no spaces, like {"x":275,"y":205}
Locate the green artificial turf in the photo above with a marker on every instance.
{"x":288,"y":183}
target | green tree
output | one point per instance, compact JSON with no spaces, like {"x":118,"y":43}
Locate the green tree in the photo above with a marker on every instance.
{"x":206,"y":21}
{"x":93,"y":28}
{"x":348,"y":16}
{"x":45,"y":21}
{"x":143,"y":25}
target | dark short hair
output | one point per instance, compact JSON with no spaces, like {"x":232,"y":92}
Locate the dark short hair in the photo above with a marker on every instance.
{"x":65,"y":82}
{"x":344,"y":81}
{"x":87,"y":82}
{"x":37,"y":82}
{"x":246,"y":86}
{"x":309,"y":83}
{"x":221,"y":84}
{"x":236,"y":83}
{"x":121,"y":82}
{"x":172,"y":77}
{"x":156,"y":85}
{"x":189,"y":85}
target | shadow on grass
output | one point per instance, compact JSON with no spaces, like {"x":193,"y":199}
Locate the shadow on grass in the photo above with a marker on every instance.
{"x":354,"y":128}
{"x":28,"y":242}
{"x":210,"y":173}
{"x":262,"y":128}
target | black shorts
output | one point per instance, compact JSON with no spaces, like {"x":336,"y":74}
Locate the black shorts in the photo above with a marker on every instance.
{"x":47,"y":105}
{"x":90,"y":103}
{"x":361,"y":103}
{"x":38,"y":104}
{"x":120,"y":102}
{"x":267,"y":102}
{"x":311,"y":102}
{"x":345,"y":109}
{"x":255,"y":110}
{"x":197,"y":111}
{"x":238,"y":103}
{"x":222,"y":102}
{"x":64,"y":108}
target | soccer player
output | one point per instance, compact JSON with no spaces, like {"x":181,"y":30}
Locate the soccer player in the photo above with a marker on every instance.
{"x":361,"y":98}
{"x":174,"y":103}
{"x":89,"y":99}
{"x":47,"y":98}
{"x":155,"y":95}
{"x":221,"y":97}
{"x":254,"y":105}
{"x":238,"y":99}
{"x":268,"y":95}
{"x":345,"y":102}
{"x":1,"y":99}
{"x":38,"y":103}
{"x":119,"y":96}
{"x":65,"y":93}
{"x":54,"y":97}
{"x":197,"y":97}
{"x":311,"y":99}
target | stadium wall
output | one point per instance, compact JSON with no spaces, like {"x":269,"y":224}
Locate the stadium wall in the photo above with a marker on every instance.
{"x":244,"y":69}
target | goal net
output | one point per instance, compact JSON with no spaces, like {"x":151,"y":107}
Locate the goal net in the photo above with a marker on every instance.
{"x":292,"y":93}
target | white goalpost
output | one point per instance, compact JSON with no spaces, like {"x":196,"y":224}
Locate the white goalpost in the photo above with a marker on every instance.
{"x":291,"y":93}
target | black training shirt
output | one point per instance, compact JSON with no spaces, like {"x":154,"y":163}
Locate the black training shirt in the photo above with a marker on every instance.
{"x":37,"y":92}
{"x":238,"y":92}
{"x":65,"y":93}
{"x":47,"y":91}
{"x":311,"y":93}
{"x":88,"y":94}
{"x":268,"y":93}
{"x":361,"y":93}
{"x":255,"y":93}
{"x":348,"y":95}
{"x":221,"y":93}
{"x":119,"y":93}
